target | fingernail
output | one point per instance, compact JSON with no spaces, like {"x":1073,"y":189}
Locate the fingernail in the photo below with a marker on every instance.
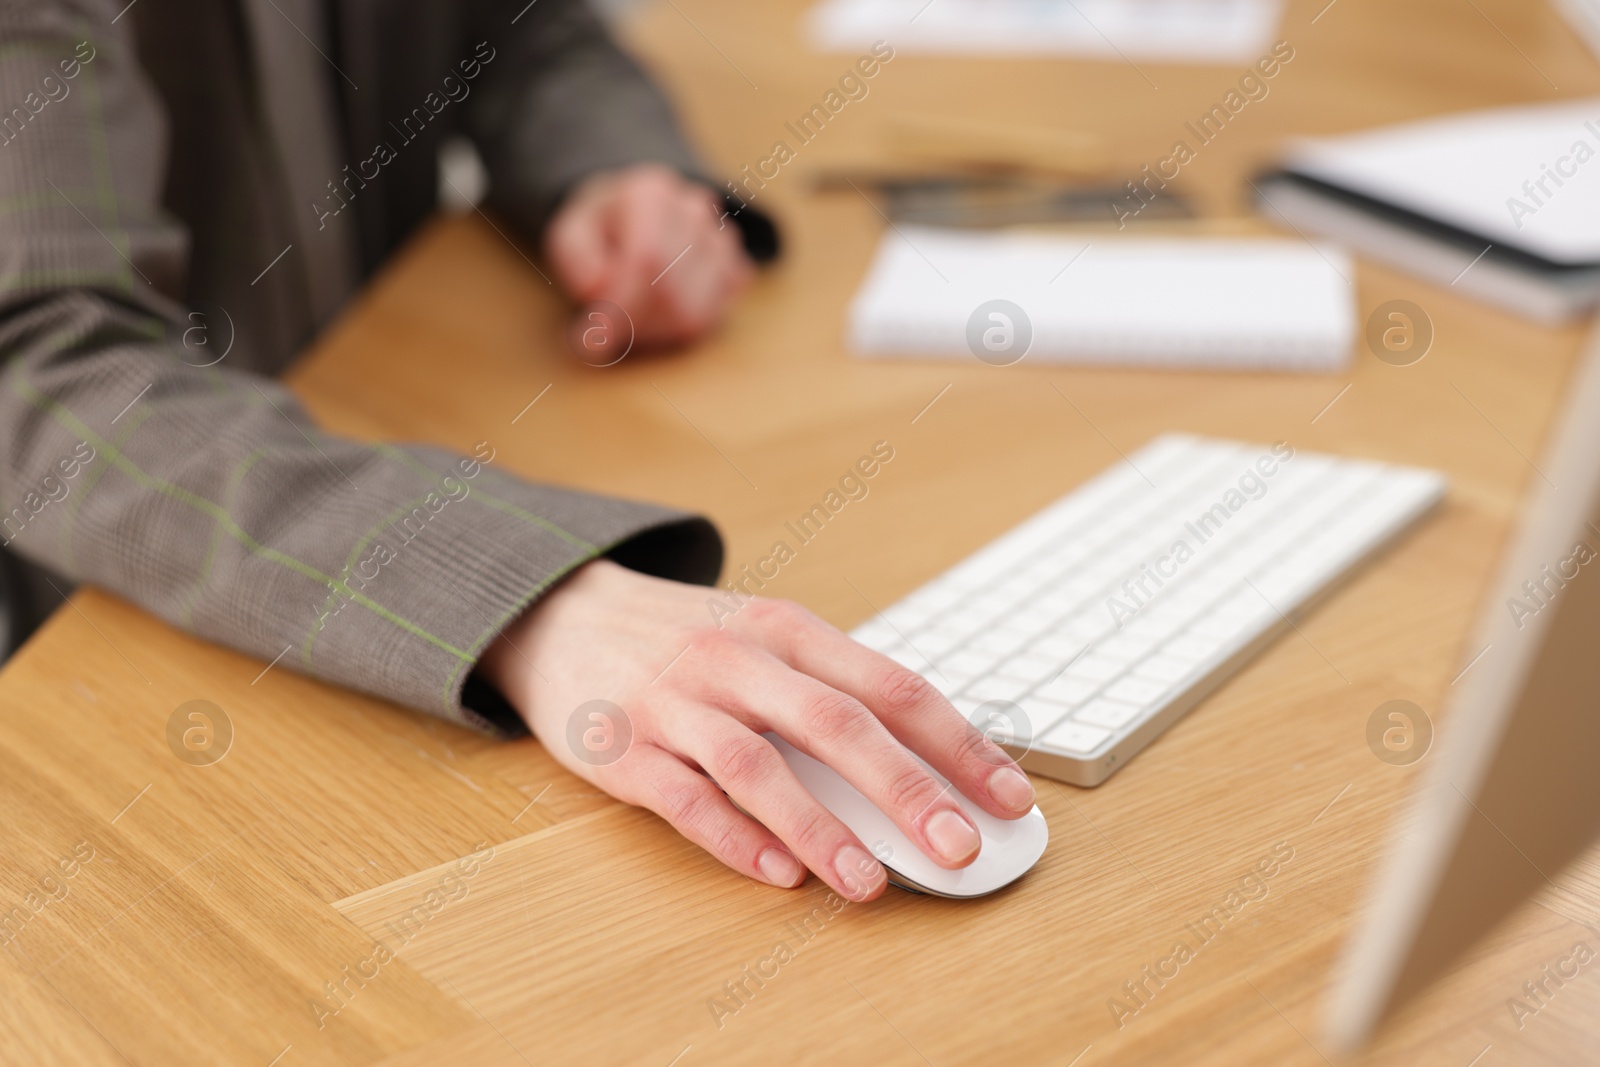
{"x":858,"y":872}
{"x":780,"y":868}
{"x":1012,"y":789}
{"x":952,"y":836}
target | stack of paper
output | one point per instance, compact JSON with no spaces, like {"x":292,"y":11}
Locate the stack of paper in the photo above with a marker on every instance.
{"x":1195,"y":303}
{"x":1201,"y":31}
{"x":1501,"y":204}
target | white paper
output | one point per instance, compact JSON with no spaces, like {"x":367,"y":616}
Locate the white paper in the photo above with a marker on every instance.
{"x":1201,"y":31}
{"x":1187,"y":303}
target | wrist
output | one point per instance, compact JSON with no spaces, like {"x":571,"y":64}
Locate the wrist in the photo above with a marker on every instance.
{"x":508,"y":662}
{"x":504,"y":664}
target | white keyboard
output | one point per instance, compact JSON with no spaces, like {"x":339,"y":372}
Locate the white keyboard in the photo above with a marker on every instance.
{"x":1077,"y":637}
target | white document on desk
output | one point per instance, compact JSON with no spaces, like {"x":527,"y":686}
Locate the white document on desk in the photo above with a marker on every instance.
{"x":1178,"y":31}
{"x":1181,"y":303}
{"x":1519,"y":177}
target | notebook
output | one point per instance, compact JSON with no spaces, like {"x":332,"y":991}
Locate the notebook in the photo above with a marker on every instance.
{"x":1203,"y":31}
{"x":1195,"y":303}
{"x":1502,"y":204}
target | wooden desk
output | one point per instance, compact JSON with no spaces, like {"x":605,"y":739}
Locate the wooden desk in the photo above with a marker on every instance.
{"x":220,"y":900}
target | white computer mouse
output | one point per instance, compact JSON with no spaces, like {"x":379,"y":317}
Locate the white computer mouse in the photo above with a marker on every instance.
{"x":1010,"y":846}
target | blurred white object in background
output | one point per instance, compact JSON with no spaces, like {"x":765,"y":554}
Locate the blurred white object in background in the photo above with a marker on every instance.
{"x":1584,"y":16}
{"x":1197,"y":303}
{"x":1502,"y":205}
{"x":463,"y":179}
{"x":1193,"y":31}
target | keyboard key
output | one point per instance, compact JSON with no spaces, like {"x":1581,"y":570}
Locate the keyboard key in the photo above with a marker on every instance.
{"x":1190,"y":647}
{"x":1163,"y":668}
{"x":995,"y":688}
{"x":1225,"y":627}
{"x":938,"y":641}
{"x":1068,"y":691}
{"x":1127,"y":647}
{"x":994,"y":604}
{"x":1091,"y":625}
{"x":1019,"y":587}
{"x":1031,"y":618}
{"x":1111,"y":714}
{"x":936,"y":596}
{"x":949,"y":677}
{"x":1044,"y":571}
{"x":999,"y":643}
{"x":966,"y":662}
{"x":1142,"y":626}
{"x":1096,"y":668}
{"x":1166,"y":618}
{"x":1210,"y":584}
{"x":1186,"y":602}
{"x":1060,"y":647}
{"x":1043,"y":714}
{"x":1138,"y":690}
{"x":1076,"y":589}
{"x":1030,"y":668}
{"x":1075,"y":737}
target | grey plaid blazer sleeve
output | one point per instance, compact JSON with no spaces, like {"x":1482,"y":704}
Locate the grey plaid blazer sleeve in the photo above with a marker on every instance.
{"x":205,"y":494}
{"x":563,"y":103}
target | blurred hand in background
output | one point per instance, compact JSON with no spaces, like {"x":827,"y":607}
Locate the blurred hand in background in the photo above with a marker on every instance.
{"x":654,"y":243}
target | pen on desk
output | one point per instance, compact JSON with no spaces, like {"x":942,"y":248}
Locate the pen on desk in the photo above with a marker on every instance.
{"x":985,"y":143}
{"x":989,"y":201}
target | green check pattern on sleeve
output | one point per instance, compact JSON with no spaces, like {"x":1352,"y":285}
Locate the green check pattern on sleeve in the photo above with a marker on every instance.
{"x":210,"y":499}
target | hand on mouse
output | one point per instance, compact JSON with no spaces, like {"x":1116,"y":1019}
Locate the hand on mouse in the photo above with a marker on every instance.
{"x":653,"y":243}
{"x":695,"y":699}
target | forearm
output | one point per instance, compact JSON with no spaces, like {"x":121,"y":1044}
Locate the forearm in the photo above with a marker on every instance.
{"x":213,"y":502}
{"x":203,"y":493}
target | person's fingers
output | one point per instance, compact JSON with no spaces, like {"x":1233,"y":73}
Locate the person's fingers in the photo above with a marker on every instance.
{"x":912,"y":709}
{"x":700,"y":811}
{"x":688,"y":293}
{"x":672,"y":269}
{"x":715,"y":270}
{"x":697,"y":286}
{"x":753,"y":773}
{"x":641,"y":227}
{"x":577,"y":247}
{"x":726,"y":261}
{"x":836,"y":729}
{"x":654,"y":244}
